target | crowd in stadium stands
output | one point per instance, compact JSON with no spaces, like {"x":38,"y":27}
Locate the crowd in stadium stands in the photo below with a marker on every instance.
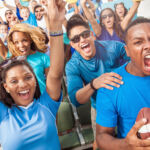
{"x":104,"y":49}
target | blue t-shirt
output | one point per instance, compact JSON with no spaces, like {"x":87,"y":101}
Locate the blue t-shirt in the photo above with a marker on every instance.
{"x":31,"y":20}
{"x":80,"y":71}
{"x":39,"y":62}
{"x":32,"y":128}
{"x":105,"y":36}
{"x":120,"y":107}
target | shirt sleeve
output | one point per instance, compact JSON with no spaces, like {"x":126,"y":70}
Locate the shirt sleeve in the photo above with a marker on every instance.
{"x":46,"y":61}
{"x":48,"y":102}
{"x":122,"y":52}
{"x":106,"y":112}
{"x":3,"y":111}
{"x":74,"y":82}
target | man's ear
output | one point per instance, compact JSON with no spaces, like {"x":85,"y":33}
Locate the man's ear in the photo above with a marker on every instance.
{"x":127,"y":52}
{"x":72,"y":44}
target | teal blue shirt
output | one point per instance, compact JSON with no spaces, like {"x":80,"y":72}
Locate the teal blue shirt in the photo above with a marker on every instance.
{"x":39,"y":62}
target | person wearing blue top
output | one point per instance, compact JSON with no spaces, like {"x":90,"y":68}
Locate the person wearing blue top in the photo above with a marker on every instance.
{"x":39,"y":62}
{"x":28,"y":118}
{"x":28,"y":17}
{"x":22,"y":43}
{"x":86,"y":70}
{"x":119,"y":107}
{"x":109,"y":28}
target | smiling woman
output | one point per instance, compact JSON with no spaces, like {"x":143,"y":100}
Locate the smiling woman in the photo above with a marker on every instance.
{"x":19,"y":82}
{"x":24,"y":40}
{"x":28,"y":118}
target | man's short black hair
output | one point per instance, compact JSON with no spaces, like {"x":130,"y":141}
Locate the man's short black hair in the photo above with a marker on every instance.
{"x":37,"y":6}
{"x":76,"y":20}
{"x":137,"y":21}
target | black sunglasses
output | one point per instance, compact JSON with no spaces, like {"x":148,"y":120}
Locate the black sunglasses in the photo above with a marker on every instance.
{"x":84,"y":34}
{"x":7,"y":62}
{"x":105,"y":16}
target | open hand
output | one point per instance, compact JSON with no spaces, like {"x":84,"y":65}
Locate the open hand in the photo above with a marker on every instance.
{"x":107,"y":79}
{"x":56,"y":11}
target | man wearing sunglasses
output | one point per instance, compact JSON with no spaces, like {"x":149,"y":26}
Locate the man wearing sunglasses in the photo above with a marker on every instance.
{"x":86,"y":70}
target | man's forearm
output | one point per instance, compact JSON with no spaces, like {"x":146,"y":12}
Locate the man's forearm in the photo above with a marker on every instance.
{"x":83,"y":95}
{"x":114,"y":143}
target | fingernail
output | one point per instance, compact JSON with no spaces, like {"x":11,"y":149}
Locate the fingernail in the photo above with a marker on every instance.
{"x":121,"y":82}
{"x":118,"y":86}
{"x":144,"y":120}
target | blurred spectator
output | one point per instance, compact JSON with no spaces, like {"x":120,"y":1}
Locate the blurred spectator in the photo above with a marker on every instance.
{"x":14,"y":21}
{"x":4,"y":32}
{"x":10,"y":16}
{"x":14,"y":8}
{"x":32,"y":4}
{"x":109,"y":28}
{"x":27,"y":16}
{"x":121,"y":11}
{"x":41,"y":17}
{"x":71,"y":9}
{"x":123,"y":15}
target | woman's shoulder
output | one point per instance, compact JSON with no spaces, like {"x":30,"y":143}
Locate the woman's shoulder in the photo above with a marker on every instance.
{"x":4,"y":111}
{"x":37,"y":55}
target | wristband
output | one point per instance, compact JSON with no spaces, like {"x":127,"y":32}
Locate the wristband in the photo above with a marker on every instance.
{"x":91,"y":85}
{"x":57,"y":33}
